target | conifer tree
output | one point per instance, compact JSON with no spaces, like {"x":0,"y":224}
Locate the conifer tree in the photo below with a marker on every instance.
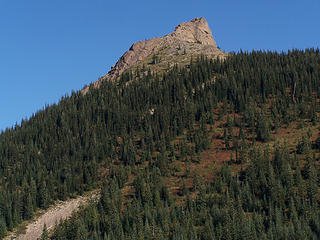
{"x":45,"y":234}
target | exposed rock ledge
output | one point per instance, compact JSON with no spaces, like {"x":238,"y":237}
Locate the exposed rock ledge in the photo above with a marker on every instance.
{"x":194,"y":37}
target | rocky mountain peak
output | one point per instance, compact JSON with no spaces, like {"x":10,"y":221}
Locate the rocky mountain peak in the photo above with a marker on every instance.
{"x":195,"y":31}
{"x":188,"y":39}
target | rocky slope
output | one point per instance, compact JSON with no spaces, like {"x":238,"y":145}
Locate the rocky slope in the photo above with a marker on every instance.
{"x":188,"y":39}
{"x":52,"y":216}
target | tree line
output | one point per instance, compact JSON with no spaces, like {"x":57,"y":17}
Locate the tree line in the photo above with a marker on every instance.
{"x":62,"y":150}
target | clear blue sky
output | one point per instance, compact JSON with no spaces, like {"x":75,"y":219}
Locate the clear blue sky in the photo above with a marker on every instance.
{"x":50,"y":47}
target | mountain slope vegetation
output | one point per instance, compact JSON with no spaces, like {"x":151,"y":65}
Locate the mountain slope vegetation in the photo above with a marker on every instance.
{"x":190,"y":154}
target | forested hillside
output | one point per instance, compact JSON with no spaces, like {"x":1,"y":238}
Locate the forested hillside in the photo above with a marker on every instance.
{"x":214,"y":150}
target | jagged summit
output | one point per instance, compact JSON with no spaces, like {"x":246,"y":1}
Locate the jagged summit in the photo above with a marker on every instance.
{"x":188,"y":39}
{"x":195,"y":31}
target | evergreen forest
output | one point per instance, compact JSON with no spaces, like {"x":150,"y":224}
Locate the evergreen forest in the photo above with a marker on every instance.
{"x":217,"y":149}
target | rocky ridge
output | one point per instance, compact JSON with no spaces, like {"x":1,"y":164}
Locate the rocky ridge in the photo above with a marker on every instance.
{"x":188,"y":39}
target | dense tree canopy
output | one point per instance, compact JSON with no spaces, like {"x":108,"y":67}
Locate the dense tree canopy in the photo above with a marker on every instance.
{"x":130,"y":127}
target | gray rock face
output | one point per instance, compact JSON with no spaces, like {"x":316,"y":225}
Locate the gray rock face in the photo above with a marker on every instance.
{"x":194,"y":37}
{"x":195,"y":31}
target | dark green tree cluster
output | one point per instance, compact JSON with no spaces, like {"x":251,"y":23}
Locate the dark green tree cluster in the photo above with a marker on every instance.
{"x":272,"y":199}
{"x":63,"y":150}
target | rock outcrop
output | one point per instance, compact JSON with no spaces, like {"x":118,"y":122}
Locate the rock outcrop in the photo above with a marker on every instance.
{"x":188,"y":39}
{"x":195,"y":31}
